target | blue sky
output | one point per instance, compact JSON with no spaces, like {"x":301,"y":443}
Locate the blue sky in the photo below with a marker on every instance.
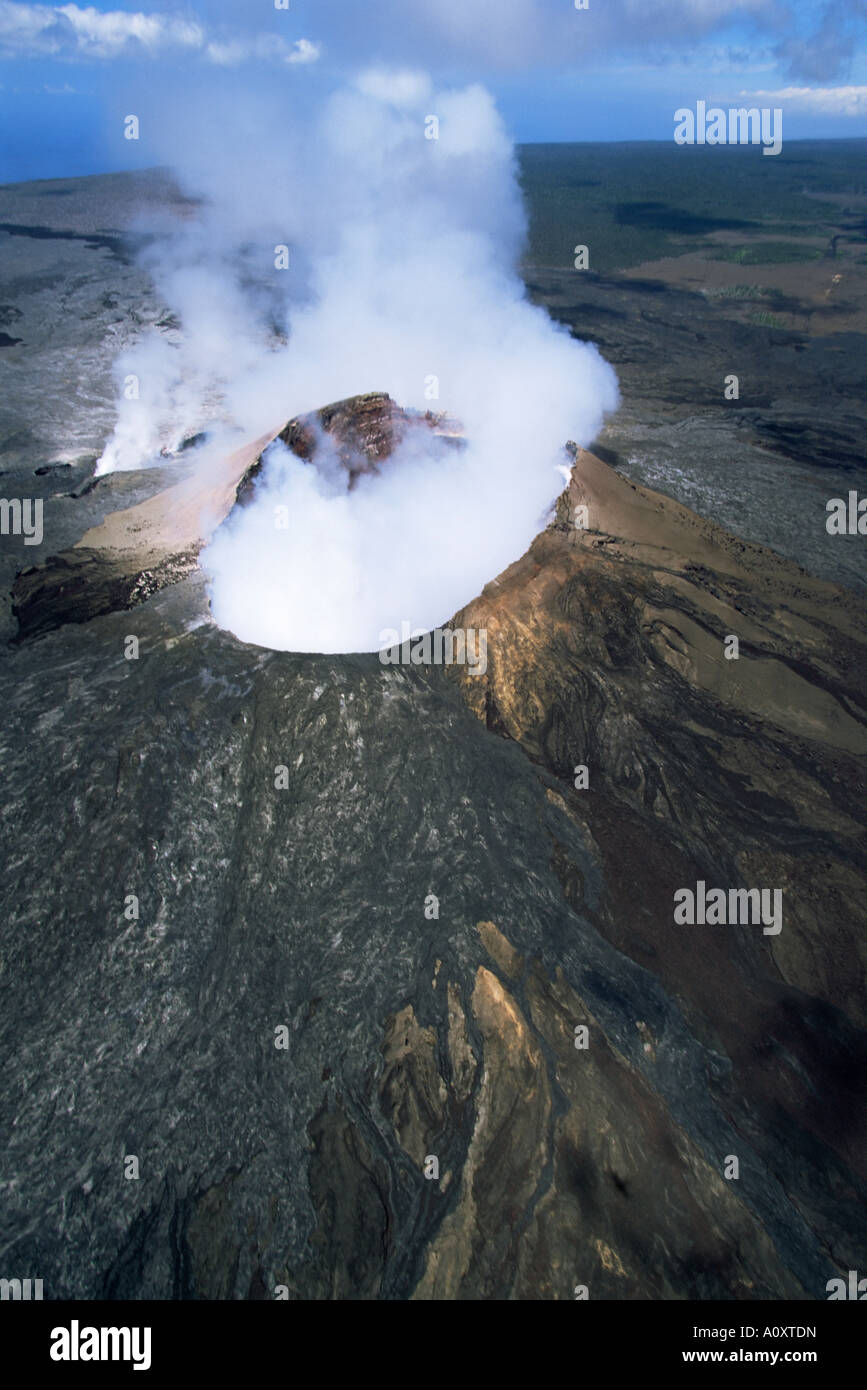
{"x":615,"y":71}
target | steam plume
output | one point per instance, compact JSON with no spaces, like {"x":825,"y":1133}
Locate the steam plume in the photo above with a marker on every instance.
{"x":401,"y":279}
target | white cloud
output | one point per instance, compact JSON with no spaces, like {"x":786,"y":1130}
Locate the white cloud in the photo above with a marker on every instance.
{"x":820,"y":101}
{"x":103,"y":34}
{"x":303,"y":52}
{"x":74,"y":31}
{"x":260,"y":47}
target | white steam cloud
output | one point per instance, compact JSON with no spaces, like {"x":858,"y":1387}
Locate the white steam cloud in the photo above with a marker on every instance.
{"x":402,"y":269}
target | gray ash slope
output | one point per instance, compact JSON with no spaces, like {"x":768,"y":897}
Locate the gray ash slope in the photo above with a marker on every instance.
{"x":304,"y":907}
{"x":259,"y":907}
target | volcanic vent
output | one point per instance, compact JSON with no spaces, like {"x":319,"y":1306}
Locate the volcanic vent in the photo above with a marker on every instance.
{"x":137,"y":551}
{"x":360,"y":433}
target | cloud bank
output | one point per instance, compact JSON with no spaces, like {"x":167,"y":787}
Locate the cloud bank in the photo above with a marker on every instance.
{"x":812,"y":43}
{"x":823,"y":101}
{"x":85,"y":32}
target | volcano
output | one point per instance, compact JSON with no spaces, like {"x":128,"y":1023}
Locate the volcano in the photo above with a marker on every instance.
{"x":375,"y":969}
